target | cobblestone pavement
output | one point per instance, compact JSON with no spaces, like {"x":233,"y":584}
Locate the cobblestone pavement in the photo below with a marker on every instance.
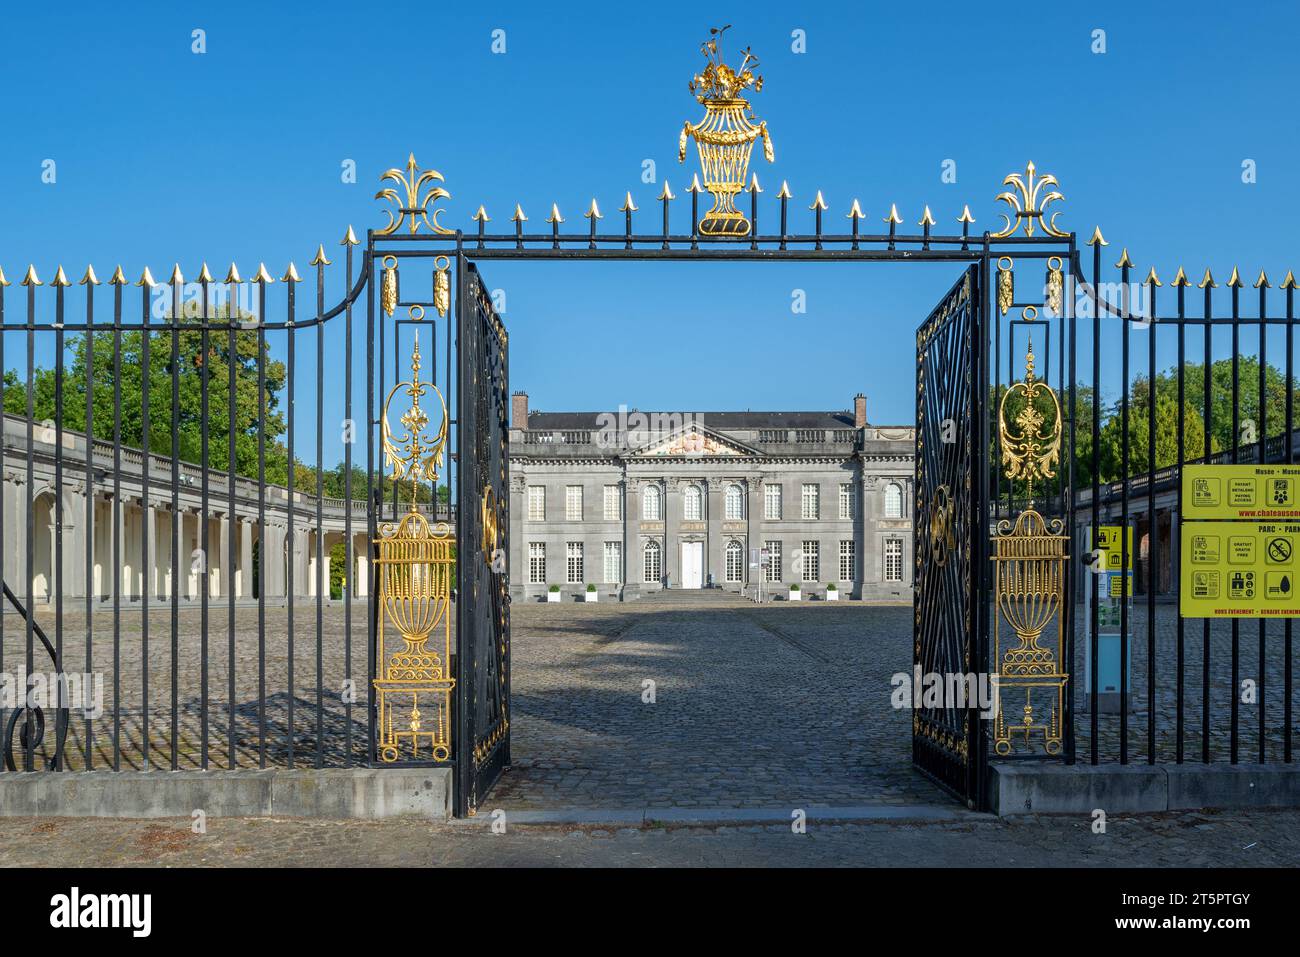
{"x":1244,"y":839}
{"x":753,"y":706}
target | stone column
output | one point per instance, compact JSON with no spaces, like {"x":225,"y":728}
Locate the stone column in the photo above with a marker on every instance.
{"x":151,"y":540}
{"x":517,"y":556}
{"x":361,"y":577}
{"x":753,"y":540}
{"x":123,"y":556}
{"x":714,"y":540}
{"x":672,"y":508}
{"x":244,"y":581}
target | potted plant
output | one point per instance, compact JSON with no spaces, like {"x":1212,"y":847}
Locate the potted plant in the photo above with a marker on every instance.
{"x":832,"y":593}
{"x":553,"y":593}
{"x":794,"y":591}
{"x":592,"y":594}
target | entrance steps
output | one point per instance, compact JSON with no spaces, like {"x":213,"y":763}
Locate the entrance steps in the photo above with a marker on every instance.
{"x":695,"y":596}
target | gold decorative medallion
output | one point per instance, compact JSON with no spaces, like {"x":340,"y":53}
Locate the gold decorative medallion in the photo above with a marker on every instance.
{"x":1029,"y":561}
{"x":1028,"y":202}
{"x":725,"y":136}
{"x":415,"y":566}
{"x":413,"y":202}
{"x":943,"y":539}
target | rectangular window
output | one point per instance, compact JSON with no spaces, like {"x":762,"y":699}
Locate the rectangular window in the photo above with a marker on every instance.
{"x":812,"y":502}
{"x":772,"y":564}
{"x":772,"y":502}
{"x":652,"y":566}
{"x":574,"y":555}
{"x":573,"y":503}
{"x":735,"y":562}
{"x":812,"y":566}
{"x":613,"y":563}
{"x":537,"y":503}
{"x":893,"y":560}
{"x":613,"y":503}
{"x":537,"y":563}
{"x":848,"y":560}
{"x":848,"y":506}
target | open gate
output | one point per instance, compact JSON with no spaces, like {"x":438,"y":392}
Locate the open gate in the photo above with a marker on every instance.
{"x":947,"y":539}
{"x":483,"y":524}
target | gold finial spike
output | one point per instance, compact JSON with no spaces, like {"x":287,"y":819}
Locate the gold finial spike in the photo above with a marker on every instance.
{"x":695,"y":186}
{"x":349,"y":238}
{"x":319,"y":259}
{"x":1124,"y":260}
{"x":118,"y":278}
{"x":1208,"y":280}
{"x":965,"y":216}
{"x":519,"y":216}
{"x":926,"y":218}
{"x":89,"y":279}
{"x":666,"y":193}
{"x":205,"y":275}
{"x":628,"y":205}
{"x":31,"y":278}
{"x":3,"y":280}
{"x":818,"y":203}
{"x":176,"y":278}
{"x":1152,"y":279}
{"x":480,"y":215}
{"x":555,"y":216}
{"x":1289,"y":281}
{"x":233,"y":275}
{"x":594,"y":212}
{"x":1181,"y":279}
{"x":60,"y":278}
{"x":262,"y":276}
{"x":893,"y":216}
{"x":785,"y":191}
{"x":1097,"y":238}
{"x":855,"y":211}
{"x":146,"y":279}
{"x":1262,"y":281}
{"x":1234,"y":281}
{"x":291,"y":274}
{"x":753,"y":184}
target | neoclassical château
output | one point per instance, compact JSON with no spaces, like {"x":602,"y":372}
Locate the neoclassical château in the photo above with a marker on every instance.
{"x":636,"y":502}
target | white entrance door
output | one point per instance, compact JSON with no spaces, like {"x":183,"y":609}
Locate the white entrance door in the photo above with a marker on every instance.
{"x":692,"y":564}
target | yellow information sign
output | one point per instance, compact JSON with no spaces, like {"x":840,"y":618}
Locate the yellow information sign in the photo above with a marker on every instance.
{"x":1109,"y":547}
{"x":1241,"y":491}
{"x":1232,"y":569}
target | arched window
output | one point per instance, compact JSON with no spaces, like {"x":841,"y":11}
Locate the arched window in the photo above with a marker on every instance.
{"x":653,"y":566}
{"x":691,"y":503}
{"x":735,"y":504}
{"x":893,"y":501}
{"x":735,"y":561}
{"x":651,"y":504}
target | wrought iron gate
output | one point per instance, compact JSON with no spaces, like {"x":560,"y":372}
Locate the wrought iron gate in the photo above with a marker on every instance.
{"x":948,"y":545}
{"x":483,"y":620}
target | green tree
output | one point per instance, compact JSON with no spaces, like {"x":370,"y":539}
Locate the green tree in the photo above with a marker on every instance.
{"x":1111,"y":440}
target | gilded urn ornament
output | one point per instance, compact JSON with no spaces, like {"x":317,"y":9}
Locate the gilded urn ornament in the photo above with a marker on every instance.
{"x":725,"y":136}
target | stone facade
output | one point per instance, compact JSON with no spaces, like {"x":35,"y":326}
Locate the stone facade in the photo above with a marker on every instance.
{"x":635,"y":502}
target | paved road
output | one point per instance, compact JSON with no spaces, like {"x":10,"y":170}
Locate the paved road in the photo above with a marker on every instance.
{"x":1232,"y":840}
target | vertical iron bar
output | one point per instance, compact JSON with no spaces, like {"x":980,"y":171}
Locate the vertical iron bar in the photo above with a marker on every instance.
{"x":1182,"y":461}
{"x":57,"y":576}
{"x":146,"y":518}
{"x":291,"y":546}
{"x":1125,"y":556}
{"x":1236,"y":457}
{"x":1208,"y":414}
{"x":1095,"y":575}
{"x":1153,"y":537}
{"x":349,"y":575}
{"x":263,"y":538}
{"x":321,"y":582}
{"x":90,"y":499}
{"x":177,"y":526}
{"x":205,"y":545}
{"x":371,"y":502}
{"x":1262,"y":458}
{"x":232,"y":532}
{"x":118,"y":519}
{"x":28,"y":729}
{"x":1071,"y":570}
{"x":1290,"y":458}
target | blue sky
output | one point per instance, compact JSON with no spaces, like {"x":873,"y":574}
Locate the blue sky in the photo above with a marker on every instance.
{"x":164,"y":155}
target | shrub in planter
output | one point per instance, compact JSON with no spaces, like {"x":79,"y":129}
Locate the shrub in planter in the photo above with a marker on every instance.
{"x":592,"y":594}
{"x":553,"y":593}
{"x":832,"y":592}
{"x":794,"y":593}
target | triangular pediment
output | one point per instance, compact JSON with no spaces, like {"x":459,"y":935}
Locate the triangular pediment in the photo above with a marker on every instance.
{"x":693,"y":441}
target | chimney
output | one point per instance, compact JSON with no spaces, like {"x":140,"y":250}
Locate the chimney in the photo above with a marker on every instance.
{"x":859,"y":411}
{"x":519,"y":410}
